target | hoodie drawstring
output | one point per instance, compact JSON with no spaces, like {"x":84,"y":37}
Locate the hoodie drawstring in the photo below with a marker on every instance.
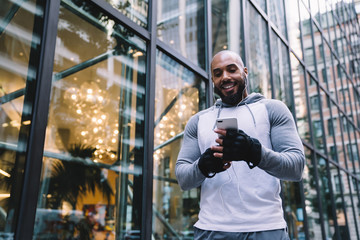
{"x":252,"y":115}
{"x":218,"y":114}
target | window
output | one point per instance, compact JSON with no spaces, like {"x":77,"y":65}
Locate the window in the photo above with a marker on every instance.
{"x":324,"y":75}
{"x":180,"y":93}
{"x":333,"y":154}
{"x":317,"y":128}
{"x":337,"y":184}
{"x":332,"y":124}
{"x":314,"y":102}
{"x":94,"y":148}
{"x":352,"y":151}
{"x":20,"y":46}
{"x":181,"y":25}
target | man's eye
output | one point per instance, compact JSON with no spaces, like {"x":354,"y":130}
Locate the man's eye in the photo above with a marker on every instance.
{"x":217,"y":74}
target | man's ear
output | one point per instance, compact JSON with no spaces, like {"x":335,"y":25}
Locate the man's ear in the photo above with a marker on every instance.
{"x":246,"y":70}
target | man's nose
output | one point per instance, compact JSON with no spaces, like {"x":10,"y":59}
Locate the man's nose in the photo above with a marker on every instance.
{"x":226,"y":76}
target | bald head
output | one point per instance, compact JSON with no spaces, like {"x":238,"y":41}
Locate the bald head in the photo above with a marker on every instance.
{"x":235,"y":56}
{"x":229,"y":77}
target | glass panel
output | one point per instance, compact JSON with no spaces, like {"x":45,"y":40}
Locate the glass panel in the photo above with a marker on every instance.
{"x":349,"y":226}
{"x":262,"y":4}
{"x":354,"y":104}
{"x":315,"y":106}
{"x":342,"y":47}
{"x":346,"y":135}
{"x":327,"y":72}
{"x":319,"y":53}
{"x":314,"y":7}
{"x":299,"y":88}
{"x":339,"y":138}
{"x":294,"y":212}
{"x":136,"y":10}
{"x":181,"y":24}
{"x":337,"y":42}
{"x":226,"y":26}
{"x":259,"y":60}
{"x":323,"y":17}
{"x":332,"y":130}
{"x":337,"y":80}
{"x":19,"y":48}
{"x":331,"y":21}
{"x":281,"y":66}
{"x":343,"y":91}
{"x":353,"y":154}
{"x":293,"y":22}
{"x":357,"y":137}
{"x":325,"y":197}
{"x":355,"y":205}
{"x":311,"y":198}
{"x":306,"y":3}
{"x":91,"y":185}
{"x":179,"y":95}
{"x":277,"y":15}
{"x":337,"y":188}
{"x":307,"y":38}
{"x":347,"y":96}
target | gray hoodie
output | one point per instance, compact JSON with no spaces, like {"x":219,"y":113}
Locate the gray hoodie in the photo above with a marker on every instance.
{"x":241,"y":199}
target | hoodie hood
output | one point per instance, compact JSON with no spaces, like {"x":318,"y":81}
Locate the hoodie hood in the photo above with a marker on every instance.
{"x":251,"y":98}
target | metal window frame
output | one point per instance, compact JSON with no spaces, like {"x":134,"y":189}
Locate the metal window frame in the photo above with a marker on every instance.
{"x":25,"y":224}
{"x":35,"y":147}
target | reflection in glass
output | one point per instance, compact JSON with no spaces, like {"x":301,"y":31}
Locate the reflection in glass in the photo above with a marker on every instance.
{"x":327,"y":73}
{"x":293,"y":23}
{"x":320,"y":61}
{"x":181,"y":24}
{"x":324,"y":195}
{"x":315,"y":107}
{"x":337,"y":187}
{"x":311,"y":197}
{"x":342,"y":91}
{"x":332,"y":130}
{"x":325,"y":21}
{"x":136,"y":10}
{"x":281,"y":68}
{"x":19,"y":48}
{"x":350,"y":226}
{"x":309,"y":54}
{"x":262,"y":4}
{"x":301,"y":110}
{"x":294,"y":212}
{"x":179,"y":95}
{"x":277,"y":15}
{"x":226,"y":26}
{"x":355,"y":105}
{"x":91,"y":185}
{"x":259,"y":60}
{"x":314,"y":7}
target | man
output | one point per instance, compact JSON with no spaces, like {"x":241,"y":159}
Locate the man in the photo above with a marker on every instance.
{"x":239,"y":171}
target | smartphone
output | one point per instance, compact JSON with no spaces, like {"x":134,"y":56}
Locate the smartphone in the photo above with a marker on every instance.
{"x":226,"y":123}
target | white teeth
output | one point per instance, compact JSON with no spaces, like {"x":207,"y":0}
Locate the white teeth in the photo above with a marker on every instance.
{"x":227,"y":87}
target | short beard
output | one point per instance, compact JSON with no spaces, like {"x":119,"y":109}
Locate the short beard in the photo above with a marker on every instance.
{"x":233,"y":99}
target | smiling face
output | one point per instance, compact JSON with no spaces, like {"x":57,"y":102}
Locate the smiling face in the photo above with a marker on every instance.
{"x":229,"y":75}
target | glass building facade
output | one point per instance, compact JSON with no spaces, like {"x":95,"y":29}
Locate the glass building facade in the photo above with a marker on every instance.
{"x":95,"y":96}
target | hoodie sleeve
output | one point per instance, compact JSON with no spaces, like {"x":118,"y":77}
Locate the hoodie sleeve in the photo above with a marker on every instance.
{"x":286,"y":161}
{"x":186,"y":170}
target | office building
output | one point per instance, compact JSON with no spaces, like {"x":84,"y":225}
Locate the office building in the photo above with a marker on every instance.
{"x":95,"y":96}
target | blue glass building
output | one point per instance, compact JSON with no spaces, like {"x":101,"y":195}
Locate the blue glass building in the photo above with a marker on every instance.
{"x":95,"y":96}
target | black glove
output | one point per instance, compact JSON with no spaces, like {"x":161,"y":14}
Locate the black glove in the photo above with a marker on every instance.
{"x":210,"y":165}
{"x":238,"y":146}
